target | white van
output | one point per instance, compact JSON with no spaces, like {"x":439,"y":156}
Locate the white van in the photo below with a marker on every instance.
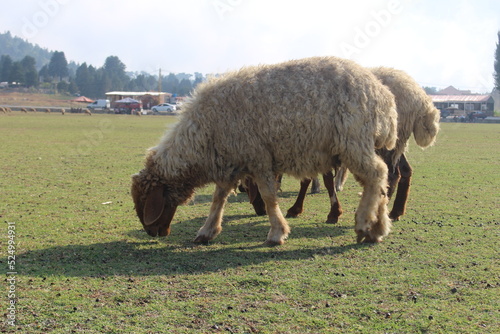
{"x":99,"y":104}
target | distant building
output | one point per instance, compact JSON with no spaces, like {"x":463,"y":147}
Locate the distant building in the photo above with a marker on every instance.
{"x":456,"y":102}
{"x":148,"y":99}
{"x":450,"y":90}
{"x":460,"y":105}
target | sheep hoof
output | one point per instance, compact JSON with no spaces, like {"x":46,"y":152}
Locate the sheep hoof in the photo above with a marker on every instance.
{"x":291,"y":213}
{"x":395,"y":216}
{"x":332,"y":220}
{"x":273,"y":243}
{"x":366,"y":238}
{"x":201,"y":239}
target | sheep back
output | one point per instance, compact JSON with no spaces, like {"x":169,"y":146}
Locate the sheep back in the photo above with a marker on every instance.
{"x":416,"y":111}
{"x":289,"y":118}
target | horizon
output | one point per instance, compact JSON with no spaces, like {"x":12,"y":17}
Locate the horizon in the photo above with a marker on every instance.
{"x":450,"y":43}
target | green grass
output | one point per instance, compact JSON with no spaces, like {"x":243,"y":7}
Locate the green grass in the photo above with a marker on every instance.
{"x":87,"y":267}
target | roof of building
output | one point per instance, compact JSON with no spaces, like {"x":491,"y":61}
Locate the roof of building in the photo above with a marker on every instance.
{"x":460,"y":98}
{"x":137,"y":93}
{"x":450,"y":90}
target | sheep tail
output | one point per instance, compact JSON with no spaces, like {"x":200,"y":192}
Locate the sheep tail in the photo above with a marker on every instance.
{"x":426,"y":128}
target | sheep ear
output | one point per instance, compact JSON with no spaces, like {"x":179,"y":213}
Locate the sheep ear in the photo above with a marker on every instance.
{"x":153,"y":208}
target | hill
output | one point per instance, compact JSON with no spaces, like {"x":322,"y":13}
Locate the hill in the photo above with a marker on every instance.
{"x":17,"y":48}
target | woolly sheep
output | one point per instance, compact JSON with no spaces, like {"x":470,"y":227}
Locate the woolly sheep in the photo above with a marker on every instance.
{"x":299,"y":118}
{"x":417,"y":115}
{"x":88,"y":112}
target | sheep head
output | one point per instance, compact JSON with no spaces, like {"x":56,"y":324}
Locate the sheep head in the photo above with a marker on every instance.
{"x":152,"y":202}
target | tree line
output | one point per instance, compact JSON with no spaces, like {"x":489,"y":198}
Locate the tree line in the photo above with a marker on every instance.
{"x":88,"y":80}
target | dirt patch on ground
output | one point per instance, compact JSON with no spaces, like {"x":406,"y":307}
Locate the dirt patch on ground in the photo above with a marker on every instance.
{"x":36,"y":100}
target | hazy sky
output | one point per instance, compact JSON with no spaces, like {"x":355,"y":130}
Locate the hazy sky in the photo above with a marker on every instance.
{"x":440,"y":43}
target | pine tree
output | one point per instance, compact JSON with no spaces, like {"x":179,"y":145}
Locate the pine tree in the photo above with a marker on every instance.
{"x":58,"y":66}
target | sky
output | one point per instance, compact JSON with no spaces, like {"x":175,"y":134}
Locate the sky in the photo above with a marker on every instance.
{"x":439,"y":43}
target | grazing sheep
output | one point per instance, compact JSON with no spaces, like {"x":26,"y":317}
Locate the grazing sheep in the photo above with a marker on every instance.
{"x":7,"y":109}
{"x":63,"y":112}
{"x":299,"y":117}
{"x":417,"y":115}
{"x":88,"y":112}
{"x":47,"y":110}
{"x":2,"y":109}
{"x":24,"y":110}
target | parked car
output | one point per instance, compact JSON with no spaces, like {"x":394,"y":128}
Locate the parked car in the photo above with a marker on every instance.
{"x":164,"y":107}
{"x":478,"y":114}
{"x":99,"y":104}
{"x":127,"y":106}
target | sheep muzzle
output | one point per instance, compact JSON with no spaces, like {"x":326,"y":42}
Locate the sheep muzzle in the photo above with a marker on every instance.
{"x":153,"y":209}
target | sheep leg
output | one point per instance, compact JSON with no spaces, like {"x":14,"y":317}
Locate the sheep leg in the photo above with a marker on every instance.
{"x":213,"y":224}
{"x":340,"y":178}
{"x":255,"y":197}
{"x":372,"y":220}
{"x":298,"y":207}
{"x":279,"y":226}
{"x":335,"y":209}
{"x":399,"y":206}
{"x":315,"y":189}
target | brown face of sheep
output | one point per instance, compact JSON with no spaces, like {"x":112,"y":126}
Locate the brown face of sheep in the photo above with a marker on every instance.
{"x":153,"y":209}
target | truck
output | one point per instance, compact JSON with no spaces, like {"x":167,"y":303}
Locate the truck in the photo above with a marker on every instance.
{"x":99,"y":104}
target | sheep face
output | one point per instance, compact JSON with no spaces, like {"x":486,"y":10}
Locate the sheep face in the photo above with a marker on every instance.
{"x":152,"y":204}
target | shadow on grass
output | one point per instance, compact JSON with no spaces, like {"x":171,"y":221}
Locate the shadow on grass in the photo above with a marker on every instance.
{"x":241,"y":197}
{"x":176,"y":254}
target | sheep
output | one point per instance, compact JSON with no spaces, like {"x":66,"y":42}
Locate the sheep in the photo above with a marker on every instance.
{"x":63,"y":112}
{"x":47,"y":110}
{"x":24,"y":110}
{"x":88,"y":112}
{"x":2,"y":109}
{"x":417,"y":115}
{"x":298,"y":117}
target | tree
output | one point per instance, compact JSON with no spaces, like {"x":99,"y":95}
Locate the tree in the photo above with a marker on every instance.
{"x":184,"y":87}
{"x":114,"y":71}
{"x":58,"y":65}
{"x":198,"y":78}
{"x":16,"y":73}
{"x":30,"y":73}
{"x":430,"y":90}
{"x":44,"y":73}
{"x":170,"y":83}
{"x":5,"y":68}
{"x":496,"y":74}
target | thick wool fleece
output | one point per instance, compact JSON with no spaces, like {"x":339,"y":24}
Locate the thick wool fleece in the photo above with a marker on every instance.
{"x":416,"y":112}
{"x":289,"y":118}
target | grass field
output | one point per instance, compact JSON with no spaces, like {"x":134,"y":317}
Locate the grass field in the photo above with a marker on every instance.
{"x":84,"y":264}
